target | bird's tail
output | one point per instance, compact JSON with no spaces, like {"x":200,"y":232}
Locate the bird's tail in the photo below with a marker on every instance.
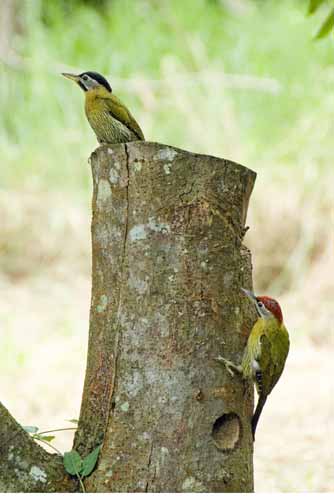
{"x":259,"y":407}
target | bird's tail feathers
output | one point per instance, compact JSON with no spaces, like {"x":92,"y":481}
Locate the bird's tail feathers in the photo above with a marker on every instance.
{"x":259,"y":407}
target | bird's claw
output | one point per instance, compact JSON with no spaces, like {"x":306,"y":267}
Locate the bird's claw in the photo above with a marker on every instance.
{"x":227,"y":364}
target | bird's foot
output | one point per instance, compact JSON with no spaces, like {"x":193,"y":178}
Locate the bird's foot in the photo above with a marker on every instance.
{"x":230,"y":367}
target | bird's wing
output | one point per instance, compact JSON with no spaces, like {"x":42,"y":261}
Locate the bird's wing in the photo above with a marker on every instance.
{"x":265,"y":372}
{"x":280,"y":350}
{"x":123,"y":115}
{"x":274,"y":350}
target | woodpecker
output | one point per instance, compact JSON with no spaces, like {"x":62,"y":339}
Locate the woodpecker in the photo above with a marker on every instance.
{"x":265,"y":353}
{"x":110,"y":119}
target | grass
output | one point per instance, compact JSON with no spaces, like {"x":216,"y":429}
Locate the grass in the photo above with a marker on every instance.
{"x":239,"y":79}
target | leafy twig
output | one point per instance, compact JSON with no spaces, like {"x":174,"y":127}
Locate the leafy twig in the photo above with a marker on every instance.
{"x":79,"y":467}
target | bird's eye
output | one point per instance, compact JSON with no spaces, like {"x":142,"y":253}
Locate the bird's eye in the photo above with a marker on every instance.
{"x":85,"y":77}
{"x":260,"y":304}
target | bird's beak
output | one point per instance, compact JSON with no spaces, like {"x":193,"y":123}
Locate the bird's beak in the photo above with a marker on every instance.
{"x":253,"y":300}
{"x":249,"y":294}
{"x":70,"y":76}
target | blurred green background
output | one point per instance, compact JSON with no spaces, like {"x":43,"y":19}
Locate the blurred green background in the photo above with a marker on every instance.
{"x":240,"y":79}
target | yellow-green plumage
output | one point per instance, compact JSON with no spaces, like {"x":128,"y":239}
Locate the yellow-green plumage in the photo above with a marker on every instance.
{"x":265,"y":352}
{"x":264,"y":359}
{"x":267,"y":345}
{"x":111,"y":121}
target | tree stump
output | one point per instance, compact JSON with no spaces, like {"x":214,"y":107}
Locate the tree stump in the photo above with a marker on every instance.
{"x":168,"y":264}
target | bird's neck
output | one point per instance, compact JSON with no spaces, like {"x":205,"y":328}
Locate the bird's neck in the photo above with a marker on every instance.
{"x":94,"y":100}
{"x":97,"y":92}
{"x":269,"y":322}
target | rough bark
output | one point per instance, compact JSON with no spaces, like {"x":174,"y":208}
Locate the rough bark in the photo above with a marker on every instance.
{"x":25,"y":466}
{"x":168,"y":264}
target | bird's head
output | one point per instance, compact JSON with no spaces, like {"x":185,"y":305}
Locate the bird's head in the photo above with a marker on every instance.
{"x":89,"y":80}
{"x":266,"y":307}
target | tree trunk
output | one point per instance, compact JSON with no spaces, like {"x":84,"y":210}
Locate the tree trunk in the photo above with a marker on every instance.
{"x":168,"y":264}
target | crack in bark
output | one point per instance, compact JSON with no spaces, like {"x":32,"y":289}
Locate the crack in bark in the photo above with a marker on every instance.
{"x":149,"y":461}
{"x":127,"y":203}
{"x":108,"y":363}
{"x":118,"y":333}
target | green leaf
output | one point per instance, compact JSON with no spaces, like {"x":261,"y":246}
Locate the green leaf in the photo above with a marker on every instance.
{"x":89,"y":462}
{"x":46,"y":438}
{"x":72,"y":462}
{"x":327,"y":25}
{"x":73,"y":421}
{"x":314,"y":5}
{"x":30,"y":428}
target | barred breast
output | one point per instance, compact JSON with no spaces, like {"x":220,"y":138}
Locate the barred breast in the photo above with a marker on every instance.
{"x":109,"y":130}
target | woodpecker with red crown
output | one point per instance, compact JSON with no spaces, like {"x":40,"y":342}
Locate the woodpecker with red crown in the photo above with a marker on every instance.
{"x":266,"y":351}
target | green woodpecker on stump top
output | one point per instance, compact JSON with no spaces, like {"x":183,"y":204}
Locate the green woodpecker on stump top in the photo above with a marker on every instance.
{"x":110,"y":119}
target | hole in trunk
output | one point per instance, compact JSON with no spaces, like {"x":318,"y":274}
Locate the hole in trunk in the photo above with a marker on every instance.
{"x":226,"y":431}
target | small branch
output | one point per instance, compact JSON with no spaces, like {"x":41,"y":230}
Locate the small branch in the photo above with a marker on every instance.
{"x":58,"y":430}
{"x":24,"y":465}
{"x":80,"y":481}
